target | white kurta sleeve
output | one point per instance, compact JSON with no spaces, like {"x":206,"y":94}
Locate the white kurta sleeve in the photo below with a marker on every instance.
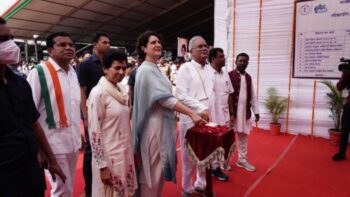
{"x":183,"y":83}
{"x":33,"y":80}
{"x":97,"y":111}
{"x":254,"y":102}
{"x":168,"y":103}
{"x":230,"y":87}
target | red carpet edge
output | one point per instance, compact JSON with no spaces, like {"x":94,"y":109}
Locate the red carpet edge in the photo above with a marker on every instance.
{"x":258,"y":181}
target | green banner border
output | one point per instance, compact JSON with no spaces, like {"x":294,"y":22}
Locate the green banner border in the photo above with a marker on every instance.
{"x":16,"y":9}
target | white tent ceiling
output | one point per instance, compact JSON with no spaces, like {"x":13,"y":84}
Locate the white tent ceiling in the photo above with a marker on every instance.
{"x":123,"y":20}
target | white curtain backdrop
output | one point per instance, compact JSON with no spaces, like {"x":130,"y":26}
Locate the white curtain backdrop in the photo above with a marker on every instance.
{"x":275,"y":60}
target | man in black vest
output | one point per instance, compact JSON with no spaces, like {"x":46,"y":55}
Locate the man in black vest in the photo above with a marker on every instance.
{"x":243,"y":101}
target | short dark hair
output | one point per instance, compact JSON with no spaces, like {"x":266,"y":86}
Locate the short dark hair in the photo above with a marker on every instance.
{"x":129,"y":65}
{"x":113,"y":55}
{"x":97,"y":37}
{"x":183,"y":47}
{"x":51,"y":37}
{"x":2,"y":21}
{"x":243,"y":55}
{"x":214,"y":52}
{"x":142,"y":41}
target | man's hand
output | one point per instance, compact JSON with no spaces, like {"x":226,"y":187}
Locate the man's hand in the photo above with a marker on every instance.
{"x":86,"y":123}
{"x":257,"y":117}
{"x":232,"y":121}
{"x":205,"y":115}
{"x":42,"y":160}
{"x":106,"y":176}
{"x":83,"y":142}
{"x":54,"y":168}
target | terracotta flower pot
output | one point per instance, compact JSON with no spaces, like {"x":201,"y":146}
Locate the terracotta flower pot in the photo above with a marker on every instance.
{"x":334,"y":137}
{"x":275,"y":128}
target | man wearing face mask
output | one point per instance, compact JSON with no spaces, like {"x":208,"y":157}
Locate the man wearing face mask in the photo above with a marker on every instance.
{"x":56,"y":94}
{"x":21,"y":135}
{"x":240,"y":109}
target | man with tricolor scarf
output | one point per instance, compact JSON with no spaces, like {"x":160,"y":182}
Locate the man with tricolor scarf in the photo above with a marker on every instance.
{"x":56,"y":94}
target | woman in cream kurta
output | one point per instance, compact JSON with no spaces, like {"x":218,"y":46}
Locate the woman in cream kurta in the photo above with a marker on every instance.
{"x":110,"y":134}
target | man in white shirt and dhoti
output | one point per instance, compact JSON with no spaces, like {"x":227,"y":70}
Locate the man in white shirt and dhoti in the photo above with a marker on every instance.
{"x":56,"y":94}
{"x":195,"y":89}
{"x":244,"y":100}
{"x":223,"y":92}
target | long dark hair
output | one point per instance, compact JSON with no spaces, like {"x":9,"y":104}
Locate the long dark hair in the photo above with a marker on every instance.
{"x":142,"y":41}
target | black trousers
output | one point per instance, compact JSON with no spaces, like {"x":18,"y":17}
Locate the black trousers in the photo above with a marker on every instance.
{"x":345,"y":128}
{"x":87,"y":171}
{"x":23,"y":179}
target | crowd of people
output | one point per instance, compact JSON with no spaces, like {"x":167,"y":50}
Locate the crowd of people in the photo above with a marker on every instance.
{"x":41,"y":116}
{"x":129,"y":107}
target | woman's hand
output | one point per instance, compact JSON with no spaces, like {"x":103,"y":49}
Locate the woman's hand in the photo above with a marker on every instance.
{"x":198,"y":120}
{"x":205,"y":115}
{"x":106,"y":176}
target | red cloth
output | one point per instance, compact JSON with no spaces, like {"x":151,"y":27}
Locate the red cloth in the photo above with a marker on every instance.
{"x":204,"y":140}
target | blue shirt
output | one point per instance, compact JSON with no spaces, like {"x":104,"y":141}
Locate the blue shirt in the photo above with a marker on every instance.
{"x":89,"y":73}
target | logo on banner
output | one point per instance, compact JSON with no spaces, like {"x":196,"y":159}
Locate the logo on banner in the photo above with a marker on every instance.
{"x":320,"y":9}
{"x":304,"y":10}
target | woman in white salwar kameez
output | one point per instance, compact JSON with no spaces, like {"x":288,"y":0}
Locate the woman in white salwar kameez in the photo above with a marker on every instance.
{"x":154,"y":120}
{"x":113,"y":170}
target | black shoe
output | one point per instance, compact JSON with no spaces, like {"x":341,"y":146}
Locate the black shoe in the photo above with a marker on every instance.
{"x":199,"y":192}
{"x":338,"y":157}
{"x":219,"y":174}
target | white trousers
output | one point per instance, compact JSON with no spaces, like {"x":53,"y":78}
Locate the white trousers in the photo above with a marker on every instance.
{"x":156,"y":173}
{"x":68,"y":163}
{"x":188,"y":167}
{"x":242,"y":140}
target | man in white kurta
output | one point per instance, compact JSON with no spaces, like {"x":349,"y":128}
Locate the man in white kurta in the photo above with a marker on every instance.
{"x":195,"y":89}
{"x":244,"y":100}
{"x":223,"y":90}
{"x":65,"y":137}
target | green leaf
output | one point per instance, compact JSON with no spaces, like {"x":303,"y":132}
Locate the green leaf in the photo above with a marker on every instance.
{"x":275,"y":104}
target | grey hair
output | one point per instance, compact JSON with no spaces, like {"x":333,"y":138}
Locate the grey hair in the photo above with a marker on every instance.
{"x":190,"y":45}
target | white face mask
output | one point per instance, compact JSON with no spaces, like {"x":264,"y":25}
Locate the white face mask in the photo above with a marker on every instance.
{"x":9,"y":52}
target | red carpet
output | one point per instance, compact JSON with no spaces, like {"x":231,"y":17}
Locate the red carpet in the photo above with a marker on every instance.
{"x":263,"y":150}
{"x":307,"y":170}
{"x":303,"y":167}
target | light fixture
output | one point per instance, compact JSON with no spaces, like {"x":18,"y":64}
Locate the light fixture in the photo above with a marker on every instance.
{"x":35,"y":36}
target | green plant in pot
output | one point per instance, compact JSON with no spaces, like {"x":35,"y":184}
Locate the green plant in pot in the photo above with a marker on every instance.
{"x":276,"y":105}
{"x":335,"y":102}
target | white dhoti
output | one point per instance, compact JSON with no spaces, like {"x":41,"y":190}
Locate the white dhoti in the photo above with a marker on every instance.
{"x":243,"y":126}
{"x":188,"y":166}
{"x":68,"y":163}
